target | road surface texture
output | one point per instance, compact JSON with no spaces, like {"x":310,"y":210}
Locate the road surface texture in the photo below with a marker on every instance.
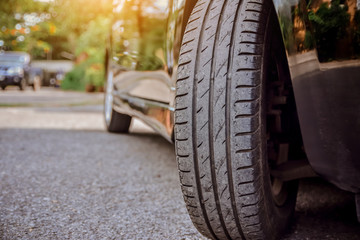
{"x":62,"y":176}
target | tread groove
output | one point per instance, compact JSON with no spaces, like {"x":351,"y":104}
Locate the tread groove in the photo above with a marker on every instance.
{"x":181,"y":123}
{"x":252,"y":204}
{"x":186,"y":185}
{"x":246,"y":69}
{"x":251,"y":20}
{"x":204,"y":125}
{"x":227,"y":127}
{"x":183,"y":53}
{"x":246,"y":150}
{"x":188,"y":196}
{"x":207,"y":158}
{"x":199,"y":5}
{"x":245,"y":101}
{"x":181,"y":109}
{"x":182,"y":95}
{"x":205,"y":93}
{"x":194,"y":134}
{"x":184,"y":63}
{"x":244,"y":116}
{"x":211,"y":124}
{"x":193,"y":20}
{"x":246,"y":53}
{"x":189,"y":41}
{"x":182,"y":139}
{"x":247,"y":194}
{"x":253,"y":10}
{"x":248,"y":133}
{"x":184,"y":156}
{"x":191,"y":30}
{"x":246,"y":86}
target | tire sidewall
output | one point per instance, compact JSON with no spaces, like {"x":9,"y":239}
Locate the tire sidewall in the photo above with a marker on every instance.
{"x":273,"y":213}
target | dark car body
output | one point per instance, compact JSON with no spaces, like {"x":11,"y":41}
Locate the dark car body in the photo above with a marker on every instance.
{"x":14,"y":68}
{"x":322,"y":43}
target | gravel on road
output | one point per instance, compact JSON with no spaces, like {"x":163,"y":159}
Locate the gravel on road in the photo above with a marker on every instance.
{"x":62,"y":176}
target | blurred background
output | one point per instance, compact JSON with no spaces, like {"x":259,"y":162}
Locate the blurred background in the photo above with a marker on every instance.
{"x":65,"y":38}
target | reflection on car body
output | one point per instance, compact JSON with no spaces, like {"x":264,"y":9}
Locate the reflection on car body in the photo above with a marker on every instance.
{"x":287,"y":76}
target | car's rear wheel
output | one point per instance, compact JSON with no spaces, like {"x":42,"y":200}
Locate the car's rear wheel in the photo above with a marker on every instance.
{"x":115,"y":122}
{"x":228,"y":129}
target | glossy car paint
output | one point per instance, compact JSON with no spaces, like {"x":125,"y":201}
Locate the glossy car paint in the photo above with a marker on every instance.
{"x":144,"y":48}
{"x":326,"y":83}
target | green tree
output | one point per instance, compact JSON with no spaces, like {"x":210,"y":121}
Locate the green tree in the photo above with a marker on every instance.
{"x":22,"y":23}
{"x":91,"y":44}
{"x":329,"y":21}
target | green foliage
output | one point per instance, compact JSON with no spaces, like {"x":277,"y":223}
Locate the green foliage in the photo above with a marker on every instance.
{"x":16,"y":33}
{"x":286,"y":26}
{"x":94,"y":37}
{"x":74,"y":80}
{"x":309,"y":40}
{"x":138,"y":36}
{"x":94,"y":75}
{"x":356,"y":37}
{"x":80,"y":28}
{"x":329,"y":21}
{"x":91,"y":43}
{"x":57,"y":23}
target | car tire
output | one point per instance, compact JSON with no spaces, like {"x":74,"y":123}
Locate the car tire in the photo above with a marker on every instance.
{"x":222,"y":131}
{"x":115,"y":122}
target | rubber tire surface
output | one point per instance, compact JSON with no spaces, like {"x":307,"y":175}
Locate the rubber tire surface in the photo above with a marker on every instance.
{"x":119,"y":123}
{"x":220,"y":122}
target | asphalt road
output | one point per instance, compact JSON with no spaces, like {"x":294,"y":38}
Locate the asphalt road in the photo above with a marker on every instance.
{"x":62,"y":176}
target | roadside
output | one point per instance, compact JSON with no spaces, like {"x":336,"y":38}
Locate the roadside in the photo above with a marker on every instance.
{"x":47,"y":97}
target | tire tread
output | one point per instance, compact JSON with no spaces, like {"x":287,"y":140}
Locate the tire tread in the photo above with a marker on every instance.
{"x":217,"y":117}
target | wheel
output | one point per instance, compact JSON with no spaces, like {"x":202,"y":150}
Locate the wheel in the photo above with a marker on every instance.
{"x":115,"y":122}
{"x":37,"y":83}
{"x":228,"y":129}
{"x":22,"y":84}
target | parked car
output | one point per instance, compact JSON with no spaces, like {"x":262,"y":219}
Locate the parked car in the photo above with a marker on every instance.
{"x":14,"y":68}
{"x":255,"y":95}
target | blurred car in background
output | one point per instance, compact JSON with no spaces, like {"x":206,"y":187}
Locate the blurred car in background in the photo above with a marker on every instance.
{"x":53,"y":71}
{"x":14,"y":69}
